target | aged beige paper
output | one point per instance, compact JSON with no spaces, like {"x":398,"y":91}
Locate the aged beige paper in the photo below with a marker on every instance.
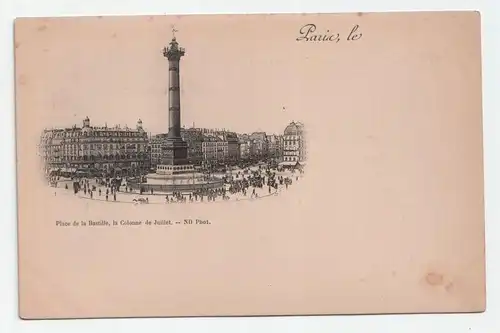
{"x":217,"y":165}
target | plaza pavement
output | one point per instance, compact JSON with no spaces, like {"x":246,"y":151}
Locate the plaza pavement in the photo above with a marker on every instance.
{"x":159,"y":198}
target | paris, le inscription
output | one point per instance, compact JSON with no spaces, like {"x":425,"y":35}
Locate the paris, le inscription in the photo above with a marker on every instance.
{"x":311,"y":33}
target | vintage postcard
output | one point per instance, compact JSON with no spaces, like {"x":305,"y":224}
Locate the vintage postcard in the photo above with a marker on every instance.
{"x":229,"y":165}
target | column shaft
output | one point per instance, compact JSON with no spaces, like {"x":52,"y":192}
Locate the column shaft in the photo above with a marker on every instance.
{"x":174,"y":100}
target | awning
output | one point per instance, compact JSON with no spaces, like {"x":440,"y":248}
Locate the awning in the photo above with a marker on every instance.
{"x":288,"y":163}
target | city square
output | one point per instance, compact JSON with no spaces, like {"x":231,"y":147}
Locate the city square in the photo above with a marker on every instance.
{"x":95,"y":190}
{"x":196,"y":164}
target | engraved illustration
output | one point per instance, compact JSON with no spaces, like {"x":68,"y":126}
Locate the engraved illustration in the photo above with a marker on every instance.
{"x":182,"y":165}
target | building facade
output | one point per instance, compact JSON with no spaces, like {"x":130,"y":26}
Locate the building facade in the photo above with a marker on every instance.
{"x":259,"y":145}
{"x":91,"y":149}
{"x":244,"y":142}
{"x":281,"y":144}
{"x":194,"y":139}
{"x":210,"y":148}
{"x":273,"y":142}
{"x":156,"y":145}
{"x":294,"y":144}
{"x":220,"y":147}
{"x":231,"y":146}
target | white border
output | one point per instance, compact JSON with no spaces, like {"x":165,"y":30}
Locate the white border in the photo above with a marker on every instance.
{"x":9,"y":322}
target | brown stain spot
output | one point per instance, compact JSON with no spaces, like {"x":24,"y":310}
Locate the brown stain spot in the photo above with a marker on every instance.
{"x":22,"y":80}
{"x":449,"y":287}
{"x":99,"y":17}
{"x":113,"y":35}
{"x":394,"y":273}
{"x":45,"y":50}
{"x":434,"y":279}
{"x":360,"y":14}
{"x":43,"y":27}
{"x":17,"y":44}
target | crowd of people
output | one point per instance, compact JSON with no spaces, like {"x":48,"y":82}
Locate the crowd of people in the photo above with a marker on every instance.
{"x":102,"y":188}
{"x":247,"y":183}
{"x":199,"y":195}
{"x":258,"y":179}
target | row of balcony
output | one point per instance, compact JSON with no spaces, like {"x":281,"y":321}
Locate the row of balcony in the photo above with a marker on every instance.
{"x":101,"y":158}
